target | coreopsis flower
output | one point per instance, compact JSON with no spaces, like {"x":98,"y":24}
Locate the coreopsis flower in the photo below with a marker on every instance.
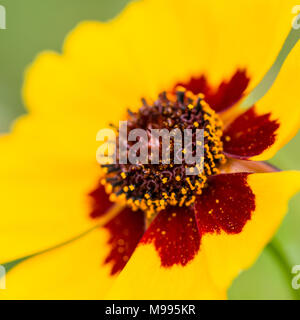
{"x":70,"y":229}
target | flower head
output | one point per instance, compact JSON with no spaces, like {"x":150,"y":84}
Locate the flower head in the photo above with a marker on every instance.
{"x":155,"y":231}
{"x":171,"y":179}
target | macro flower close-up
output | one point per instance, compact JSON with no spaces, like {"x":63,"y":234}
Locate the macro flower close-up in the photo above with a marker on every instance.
{"x":74,"y":228}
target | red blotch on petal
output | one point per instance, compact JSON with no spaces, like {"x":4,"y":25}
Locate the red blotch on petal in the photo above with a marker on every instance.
{"x":225,"y":95}
{"x":196,"y":85}
{"x":249,"y":134}
{"x":100,"y":202}
{"x":226,"y":204}
{"x":175,"y":236}
{"x":126,"y":230}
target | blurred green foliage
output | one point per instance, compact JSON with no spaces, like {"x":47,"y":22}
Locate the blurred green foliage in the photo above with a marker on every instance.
{"x":35,"y":25}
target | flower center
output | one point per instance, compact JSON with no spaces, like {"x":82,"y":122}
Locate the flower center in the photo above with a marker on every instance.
{"x":171,"y":181}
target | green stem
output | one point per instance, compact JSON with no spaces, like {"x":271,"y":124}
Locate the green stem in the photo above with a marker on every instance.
{"x":265,"y":84}
{"x":11,"y":264}
{"x":275,"y":249}
{"x":112,"y":212}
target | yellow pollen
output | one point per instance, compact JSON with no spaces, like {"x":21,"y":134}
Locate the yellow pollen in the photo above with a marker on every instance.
{"x":108,"y":188}
{"x":165,"y":195}
{"x":180,"y":89}
{"x":191,"y":201}
{"x":105,"y":170}
{"x":182,"y":200}
{"x":123,"y":175}
{"x":162,"y":202}
{"x":190,"y":184}
{"x":112,"y":197}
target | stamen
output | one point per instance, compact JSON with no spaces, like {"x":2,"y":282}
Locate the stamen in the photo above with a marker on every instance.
{"x":153,"y":187}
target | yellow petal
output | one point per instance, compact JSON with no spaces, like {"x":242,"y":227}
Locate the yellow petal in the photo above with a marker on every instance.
{"x":247,"y":34}
{"x":144,"y":278}
{"x":165,"y":265}
{"x":239,"y":251}
{"x":107,"y":67}
{"x":48,"y":164}
{"x":221,"y":256}
{"x":151,"y":46}
{"x":74,"y":271}
{"x":283,"y":103}
{"x":258,"y":133}
{"x":44,"y":190}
